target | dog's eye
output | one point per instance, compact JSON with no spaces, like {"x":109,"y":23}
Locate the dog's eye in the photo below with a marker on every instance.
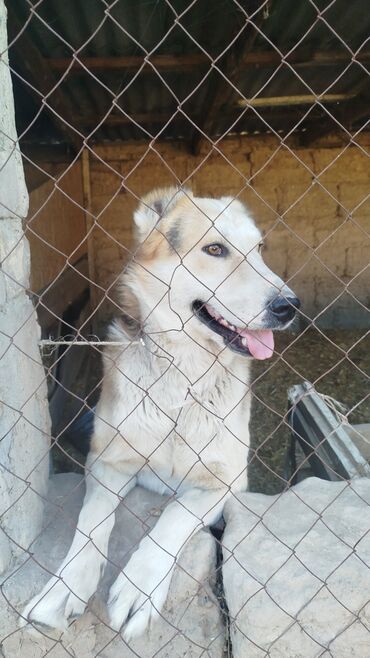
{"x":261,"y":247}
{"x":215,"y":249}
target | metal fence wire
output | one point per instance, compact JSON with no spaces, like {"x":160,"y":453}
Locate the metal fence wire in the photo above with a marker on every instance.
{"x":212,"y":104}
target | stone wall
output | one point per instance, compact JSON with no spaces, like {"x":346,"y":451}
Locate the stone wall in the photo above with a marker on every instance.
{"x":311,"y":202}
{"x":24,"y":419}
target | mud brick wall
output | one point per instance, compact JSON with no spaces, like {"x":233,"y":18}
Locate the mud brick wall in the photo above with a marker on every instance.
{"x":312,"y":204}
{"x":56,"y":226}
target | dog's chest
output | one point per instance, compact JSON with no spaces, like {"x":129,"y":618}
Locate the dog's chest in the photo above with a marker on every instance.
{"x":178,"y":428}
{"x":192,"y":424}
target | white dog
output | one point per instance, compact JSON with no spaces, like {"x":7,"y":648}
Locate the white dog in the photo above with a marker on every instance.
{"x":174,"y":409}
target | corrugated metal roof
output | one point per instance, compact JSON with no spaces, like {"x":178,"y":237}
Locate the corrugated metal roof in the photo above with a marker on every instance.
{"x":134,"y":28}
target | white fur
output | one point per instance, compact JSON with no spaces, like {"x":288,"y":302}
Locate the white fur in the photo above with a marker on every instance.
{"x":173,"y":414}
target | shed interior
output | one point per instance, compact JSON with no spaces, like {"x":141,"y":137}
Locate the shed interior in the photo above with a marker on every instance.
{"x":263,"y":100}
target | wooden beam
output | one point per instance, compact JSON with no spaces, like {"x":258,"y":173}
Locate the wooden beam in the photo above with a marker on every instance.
{"x":122,"y":119}
{"x":178,"y":63}
{"x":35,"y":69}
{"x":278,"y":113}
{"x":219,"y":92}
{"x":131,"y":63}
{"x":302,"y":59}
{"x":286,"y":101}
{"x":89,"y":222}
{"x":327,"y":58}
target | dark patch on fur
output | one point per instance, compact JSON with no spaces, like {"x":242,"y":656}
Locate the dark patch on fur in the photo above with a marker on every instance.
{"x":174,"y":237}
{"x":131,"y":327}
{"x":158,"y":207}
{"x":170,"y":197}
{"x":129,"y":317}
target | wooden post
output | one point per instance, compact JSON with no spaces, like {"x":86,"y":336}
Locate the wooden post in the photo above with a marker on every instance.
{"x":89,"y":222}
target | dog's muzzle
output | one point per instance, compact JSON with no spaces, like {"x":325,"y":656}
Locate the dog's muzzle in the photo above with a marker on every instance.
{"x":283,"y":309}
{"x":257,"y":343}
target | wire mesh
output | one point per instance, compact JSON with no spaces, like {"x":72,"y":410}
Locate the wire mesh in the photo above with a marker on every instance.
{"x":170,"y":411}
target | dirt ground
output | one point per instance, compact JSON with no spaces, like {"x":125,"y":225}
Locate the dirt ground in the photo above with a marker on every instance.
{"x":337,"y":362}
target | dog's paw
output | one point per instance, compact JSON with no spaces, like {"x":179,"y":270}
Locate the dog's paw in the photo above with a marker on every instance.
{"x":139,"y":593}
{"x":53,"y":606}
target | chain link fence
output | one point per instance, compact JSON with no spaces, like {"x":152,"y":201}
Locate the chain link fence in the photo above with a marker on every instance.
{"x":175,"y":114}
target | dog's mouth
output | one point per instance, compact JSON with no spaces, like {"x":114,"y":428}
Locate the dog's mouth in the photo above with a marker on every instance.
{"x":258,"y":344}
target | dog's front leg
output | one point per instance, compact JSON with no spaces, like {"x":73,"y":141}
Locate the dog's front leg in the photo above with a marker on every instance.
{"x":141,"y":589}
{"x":67,"y":593}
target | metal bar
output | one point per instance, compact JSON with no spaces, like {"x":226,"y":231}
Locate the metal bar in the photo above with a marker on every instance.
{"x":329,"y":448}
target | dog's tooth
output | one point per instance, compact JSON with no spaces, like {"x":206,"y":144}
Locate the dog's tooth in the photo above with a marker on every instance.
{"x":244,"y":342}
{"x":224,"y":322}
{"x":233,"y":327}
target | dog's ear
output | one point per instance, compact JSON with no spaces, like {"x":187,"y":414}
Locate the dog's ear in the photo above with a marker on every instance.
{"x":154,"y":206}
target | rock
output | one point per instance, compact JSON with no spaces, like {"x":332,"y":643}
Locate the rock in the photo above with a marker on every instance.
{"x":296,"y":571}
{"x":192,"y":622}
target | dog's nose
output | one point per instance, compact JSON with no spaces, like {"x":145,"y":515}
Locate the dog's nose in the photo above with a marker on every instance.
{"x":284,"y":308}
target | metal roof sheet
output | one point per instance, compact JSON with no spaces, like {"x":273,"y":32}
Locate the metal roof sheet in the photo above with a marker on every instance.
{"x":203,"y":29}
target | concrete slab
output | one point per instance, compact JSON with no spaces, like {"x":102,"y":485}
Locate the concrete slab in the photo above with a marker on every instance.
{"x":296,"y":571}
{"x":191,"y":624}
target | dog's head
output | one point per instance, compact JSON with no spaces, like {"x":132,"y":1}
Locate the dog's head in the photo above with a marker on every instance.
{"x":201,"y":271}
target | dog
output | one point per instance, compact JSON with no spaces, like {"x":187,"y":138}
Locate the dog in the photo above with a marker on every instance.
{"x":199,"y":305}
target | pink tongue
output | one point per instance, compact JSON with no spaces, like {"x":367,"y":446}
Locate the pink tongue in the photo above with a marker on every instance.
{"x":260,"y":343}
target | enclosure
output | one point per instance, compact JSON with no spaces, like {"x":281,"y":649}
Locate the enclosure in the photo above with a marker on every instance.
{"x":266,"y":102}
